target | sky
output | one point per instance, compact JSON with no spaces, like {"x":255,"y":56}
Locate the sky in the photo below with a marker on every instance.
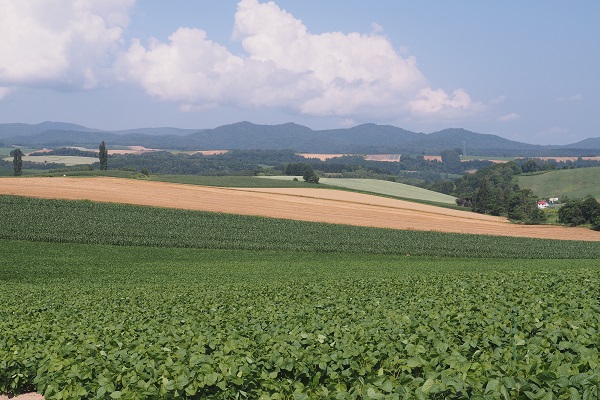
{"x":524,"y":70}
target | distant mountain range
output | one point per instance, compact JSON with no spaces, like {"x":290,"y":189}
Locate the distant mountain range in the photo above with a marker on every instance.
{"x":361,"y":139}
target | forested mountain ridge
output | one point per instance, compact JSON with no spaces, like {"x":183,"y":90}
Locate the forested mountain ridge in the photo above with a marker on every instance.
{"x":365,"y":138}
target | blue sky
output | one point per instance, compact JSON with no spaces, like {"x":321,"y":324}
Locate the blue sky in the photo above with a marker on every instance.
{"x":526,"y":71}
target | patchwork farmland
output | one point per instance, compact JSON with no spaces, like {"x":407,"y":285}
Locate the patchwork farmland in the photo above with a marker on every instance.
{"x":316,"y":205}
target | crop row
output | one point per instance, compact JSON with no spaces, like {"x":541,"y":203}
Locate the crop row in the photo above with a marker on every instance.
{"x":92,"y":321}
{"x":117,"y":224}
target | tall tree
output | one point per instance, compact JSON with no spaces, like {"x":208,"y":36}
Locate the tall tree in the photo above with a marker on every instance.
{"x":17,"y":162}
{"x":103,"y":156}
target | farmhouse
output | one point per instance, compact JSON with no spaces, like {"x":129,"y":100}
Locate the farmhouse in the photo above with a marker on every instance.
{"x":543,"y":204}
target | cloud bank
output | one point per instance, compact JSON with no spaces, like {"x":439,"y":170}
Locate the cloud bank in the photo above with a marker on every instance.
{"x":78,"y":44}
{"x":59,"y":43}
{"x":285,"y":66}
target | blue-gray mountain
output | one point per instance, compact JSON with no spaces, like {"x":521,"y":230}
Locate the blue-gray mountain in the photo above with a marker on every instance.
{"x":366,"y":138}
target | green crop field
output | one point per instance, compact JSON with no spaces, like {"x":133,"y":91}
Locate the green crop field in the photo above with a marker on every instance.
{"x":123,"y":302}
{"x":387,"y":188}
{"x":88,"y":222}
{"x":572,"y":183}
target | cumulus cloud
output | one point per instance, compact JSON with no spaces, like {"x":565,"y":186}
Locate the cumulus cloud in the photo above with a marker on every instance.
{"x":509,"y":117}
{"x":284,"y":65}
{"x":59,"y":43}
{"x":430,"y":102}
{"x":79,"y":45}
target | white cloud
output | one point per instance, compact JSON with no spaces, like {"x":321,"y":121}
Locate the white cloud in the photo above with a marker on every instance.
{"x":509,"y":117}
{"x":59,"y":43}
{"x":284,"y":65}
{"x":78,"y":44}
{"x":429,"y":101}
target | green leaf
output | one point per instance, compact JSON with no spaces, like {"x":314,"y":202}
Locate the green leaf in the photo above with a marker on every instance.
{"x":101,"y":391}
{"x":546,"y":376}
{"x":492,"y":386}
{"x":504,"y":393}
{"x":428,"y":385}
{"x":373,"y":394}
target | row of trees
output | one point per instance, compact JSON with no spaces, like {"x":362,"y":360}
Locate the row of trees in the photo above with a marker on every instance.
{"x":530,"y":165}
{"x":65,"y":151}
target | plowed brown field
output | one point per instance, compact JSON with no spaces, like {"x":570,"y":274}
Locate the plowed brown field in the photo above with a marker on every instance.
{"x":319,"y":205}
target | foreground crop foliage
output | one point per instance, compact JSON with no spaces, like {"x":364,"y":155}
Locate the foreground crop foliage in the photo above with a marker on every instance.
{"x":105,"y":321}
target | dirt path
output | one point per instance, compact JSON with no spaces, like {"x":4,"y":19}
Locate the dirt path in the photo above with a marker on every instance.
{"x":318,"y":205}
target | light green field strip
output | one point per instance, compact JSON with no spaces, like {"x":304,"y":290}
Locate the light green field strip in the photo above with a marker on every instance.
{"x":383,"y":187}
{"x":565,"y":182}
{"x":67,"y":160}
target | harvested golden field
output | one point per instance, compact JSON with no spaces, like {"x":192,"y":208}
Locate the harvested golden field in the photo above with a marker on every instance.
{"x":318,"y":205}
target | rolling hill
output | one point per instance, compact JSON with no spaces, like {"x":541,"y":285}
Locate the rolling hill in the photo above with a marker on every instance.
{"x":572,"y":183}
{"x":301,"y":204}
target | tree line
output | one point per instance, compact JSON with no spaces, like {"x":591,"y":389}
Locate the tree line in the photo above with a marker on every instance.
{"x":576,"y":212}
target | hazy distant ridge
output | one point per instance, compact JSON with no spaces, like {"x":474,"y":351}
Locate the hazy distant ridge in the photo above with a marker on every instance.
{"x":366,"y":138}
